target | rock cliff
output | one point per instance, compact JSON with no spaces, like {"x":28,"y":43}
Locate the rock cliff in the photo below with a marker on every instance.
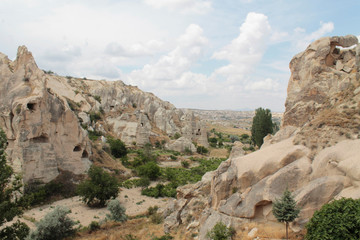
{"x":48,"y":118}
{"x":315,"y":154}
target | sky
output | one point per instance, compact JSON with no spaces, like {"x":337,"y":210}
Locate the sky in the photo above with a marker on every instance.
{"x":204,"y":54}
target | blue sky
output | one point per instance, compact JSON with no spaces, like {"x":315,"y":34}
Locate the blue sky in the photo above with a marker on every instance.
{"x":208,"y":54}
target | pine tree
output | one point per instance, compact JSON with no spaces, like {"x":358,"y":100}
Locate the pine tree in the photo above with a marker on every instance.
{"x":261,"y":126}
{"x":10,"y":200}
{"x":285,"y":209}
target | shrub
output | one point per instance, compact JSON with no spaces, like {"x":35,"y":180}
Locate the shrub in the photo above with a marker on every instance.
{"x":221,"y":232}
{"x":97,"y":98}
{"x":98,"y":188}
{"x":94,"y":135}
{"x":164,"y":237}
{"x":185,"y":164}
{"x":94,"y":116}
{"x":117,"y":148}
{"x":337,"y":220}
{"x":173,"y":157}
{"x":93,"y":226}
{"x":56,"y":225}
{"x":187,"y":151}
{"x":177,"y":135}
{"x":150,"y":170}
{"x":37,"y":193}
{"x":152,"y":210}
{"x":117,"y":212}
{"x":156,"y":218}
{"x":202,"y":150}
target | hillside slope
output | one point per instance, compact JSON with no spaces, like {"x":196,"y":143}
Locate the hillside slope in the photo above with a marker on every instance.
{"x":48,"y":118}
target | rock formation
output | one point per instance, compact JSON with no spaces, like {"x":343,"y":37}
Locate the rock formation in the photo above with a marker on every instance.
{"x":47,"y":118}
{"x":315,"y":154}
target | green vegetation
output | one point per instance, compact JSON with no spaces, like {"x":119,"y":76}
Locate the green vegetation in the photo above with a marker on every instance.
{"x":181,"y":176}
{"x":337,"y":220}
{"x":98,"y":188}
{"x":262,"y":125}
{"x":164,"y":237}
{"x":202,"y":150}
{"x":95,"y":116}
{"x":10,"y":203}
{"x":117,"y":212}
{"x":36,"y":193}
{"x":97,"y":98}
{"x":177,"y":135}
{"x":93,"y":226}
{"x":221,"y":232}
{"x":150,"y":170}
{"x":94,"y":135}
{"x":56,"y":225}
{"x":285,"y":209}
{"x":117,"y":147}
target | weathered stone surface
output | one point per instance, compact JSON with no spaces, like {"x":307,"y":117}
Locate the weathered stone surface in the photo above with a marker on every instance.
{"x":315,"y":154}
{"x":44,"y":117}
{"x":181,"y":145}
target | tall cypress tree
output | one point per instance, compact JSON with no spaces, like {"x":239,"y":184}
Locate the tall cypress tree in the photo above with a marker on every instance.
{"x":262,"y":125}
{"x":285,"y":209}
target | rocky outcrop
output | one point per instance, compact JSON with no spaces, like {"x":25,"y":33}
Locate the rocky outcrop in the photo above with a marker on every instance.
{"x":47,"y":118}
{"x":315,"y":154}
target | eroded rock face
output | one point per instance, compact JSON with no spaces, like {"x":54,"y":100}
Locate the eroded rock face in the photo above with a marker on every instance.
{"x":315,"y":154}
{"x":44,"y":135}
{"x":47,"y":118}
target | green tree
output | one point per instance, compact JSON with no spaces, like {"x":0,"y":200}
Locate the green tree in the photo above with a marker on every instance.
{"x":56,"y":225}
{"x":117,"y":148}
{"x":262,"y":125}
{"x":337,"y":220}
{"x":221,"y":232}
{"x":285,"y":209}
{"x":98,"y":188}
{"x":150,"y":170}
{"x":10,"y":202}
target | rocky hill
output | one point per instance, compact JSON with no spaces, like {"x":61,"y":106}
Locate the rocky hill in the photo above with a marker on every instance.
{"x":315,"y":154}
{"x":48,"y":118}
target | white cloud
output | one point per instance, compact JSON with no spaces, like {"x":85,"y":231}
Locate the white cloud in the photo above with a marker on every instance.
{"x":244,"y":52}
{"x":265,"y":85}
{"x":171,"y":71}
{"x":185,"y":6}
{"x":134,"y":50}
{"x":303,"y":40}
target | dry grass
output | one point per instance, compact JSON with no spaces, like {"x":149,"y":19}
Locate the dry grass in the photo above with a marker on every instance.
{"x":219,"y":153}
{"x":141,"y":228}
{"x":227,"y":130}
{"x":267,"y":231}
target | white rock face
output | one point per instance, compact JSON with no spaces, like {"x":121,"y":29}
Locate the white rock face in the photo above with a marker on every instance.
{"x":44,"y":117}
{"x":44,"y":135}
{"x":315,"y":154}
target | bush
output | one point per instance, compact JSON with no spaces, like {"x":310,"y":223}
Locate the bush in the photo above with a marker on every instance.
{"x":202,"y":150}
{"x":150,"y":170}
{"x":221,"y":232}
{"x":99,"y":188}
{"x":152,"y":210}
{"x":56,"y":225}
{"x":187,"y":151}
{"x":177,"y":135}
{"x":95,"y":116}
{"x":117,"y":212}
{"x":185,"y":164}
{"x":337,"y":220}
{"x":161,"y":190}
{"x":117,"y":148}
{"x":164,"y":237}
{"x":94,"y":135}
{"x":93,"y":226}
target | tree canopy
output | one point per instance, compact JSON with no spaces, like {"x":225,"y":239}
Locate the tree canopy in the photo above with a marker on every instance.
{"x":10,"y":202}
{"x":262,"y":125}
{"x":337,"y":220}
{"x":98,"y":188}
